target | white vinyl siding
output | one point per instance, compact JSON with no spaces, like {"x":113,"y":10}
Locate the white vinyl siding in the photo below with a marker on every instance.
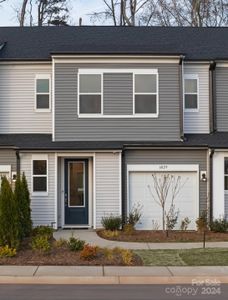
{"x":43,"y":206}
{"x":198,"y":121}
{"x":17,"y":93}
{"x":108,"y":185}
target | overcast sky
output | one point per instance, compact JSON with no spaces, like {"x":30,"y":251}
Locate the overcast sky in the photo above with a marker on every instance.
{"x":80,"y":8}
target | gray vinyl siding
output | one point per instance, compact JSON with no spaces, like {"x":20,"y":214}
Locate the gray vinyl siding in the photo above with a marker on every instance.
{"x":118,"y":94}
{"x":198,"y":122}
{"x":43,"y":207}
{"x":222,"y":98}
{"x":68,"y":127}
{"x":8,"y":157}
{"x":17,"y":99}
{"x":108,"y":187}
{"x":169,"y":157}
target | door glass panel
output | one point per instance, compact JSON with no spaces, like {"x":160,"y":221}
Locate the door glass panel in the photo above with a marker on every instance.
{"x":76,"y":184}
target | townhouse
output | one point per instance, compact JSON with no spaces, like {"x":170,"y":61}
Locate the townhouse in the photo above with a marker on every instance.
{"x":90,"y":113}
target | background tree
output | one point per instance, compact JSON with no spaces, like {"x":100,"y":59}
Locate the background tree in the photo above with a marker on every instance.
{"x":195,"y":13}
{"x":9,"y":234}
{"x":45,"y":12}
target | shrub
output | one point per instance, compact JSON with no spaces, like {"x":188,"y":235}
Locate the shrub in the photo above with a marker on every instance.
{"x":41,"y":243}
{"x":75,"y":244}
{"x":43,"y":231}
{"x":127,"y":257}
{"x":88,"y":252}
{"x":112,"y":222}
{"x":108,"y":253}
{"x":110,"y":234}
{"x":6,"y":251}
{"x":134,"y":215}
{"x":25,"y":207}
{"x":61,"y":243}
{"x":9,"y":225}
{"x":219,"y":225}
{"x":184,"y":224}
{"x":201,"y":222}
{"x":128,"y":229}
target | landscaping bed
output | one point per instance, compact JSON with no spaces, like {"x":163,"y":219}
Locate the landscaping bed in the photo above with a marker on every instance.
{"x":158,"y":236}
{"x":186,"y":257}
{"x":61,"y":255}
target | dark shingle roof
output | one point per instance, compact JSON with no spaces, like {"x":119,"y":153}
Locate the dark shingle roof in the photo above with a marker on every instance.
{"x":44,"y":142}
{"x":37,"y":43}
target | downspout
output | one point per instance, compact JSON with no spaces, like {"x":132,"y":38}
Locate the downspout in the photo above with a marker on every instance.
{"x":181,"y":96}
{"x":123,"y":184}
{"x":211,"y":184}
{"x":212,"y":97}
{"x":18,"y":163}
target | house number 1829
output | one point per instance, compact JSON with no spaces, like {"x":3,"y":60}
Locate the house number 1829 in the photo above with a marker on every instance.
{"x":163,"y":167}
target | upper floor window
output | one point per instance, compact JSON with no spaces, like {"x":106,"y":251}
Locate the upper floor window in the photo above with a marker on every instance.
{"x":226,"y":174}
{"x":43,"y":93}
{"x":191,"y":94}
{"x":90,"y":94}
{"x":145,"y":94}
{"x":40,"y":175}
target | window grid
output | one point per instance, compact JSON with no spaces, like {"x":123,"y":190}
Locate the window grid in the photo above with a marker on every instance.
{"x":42,"y":77}
{"x":192,"y":77}
{"x":39,"y":176}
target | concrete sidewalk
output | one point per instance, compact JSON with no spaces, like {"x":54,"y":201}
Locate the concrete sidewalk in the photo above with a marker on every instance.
{"x":109,"y":274}
{"x":92,"y":238}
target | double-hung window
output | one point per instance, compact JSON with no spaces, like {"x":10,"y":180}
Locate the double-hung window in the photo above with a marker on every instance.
{"x":191,"y":95}
{"x":226,"y":173}
{"x":40,"y":175}
{"x":145,"y":94}
{"x":42,"y":93}
{"x":90,"y":94}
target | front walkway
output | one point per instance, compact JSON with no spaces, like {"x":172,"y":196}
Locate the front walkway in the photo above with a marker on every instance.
{"x":92,"y":238}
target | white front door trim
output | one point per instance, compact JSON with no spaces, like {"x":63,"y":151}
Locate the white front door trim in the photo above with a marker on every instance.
{"x":164,"y":168}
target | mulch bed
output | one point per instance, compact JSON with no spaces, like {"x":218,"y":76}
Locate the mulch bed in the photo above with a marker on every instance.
{"x":158,"y":236}
{"x":61,"y":256}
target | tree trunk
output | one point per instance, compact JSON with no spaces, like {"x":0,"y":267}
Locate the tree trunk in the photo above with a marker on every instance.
{"x":23,"y":12}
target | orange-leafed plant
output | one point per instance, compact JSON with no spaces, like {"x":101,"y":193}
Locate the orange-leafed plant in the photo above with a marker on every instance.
{"x":88,"y":252}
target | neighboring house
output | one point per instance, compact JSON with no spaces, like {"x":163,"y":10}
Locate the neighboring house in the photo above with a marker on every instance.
{"x":90,"y":113}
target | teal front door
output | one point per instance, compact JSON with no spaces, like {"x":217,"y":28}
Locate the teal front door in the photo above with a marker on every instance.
{"x":76,"y":192}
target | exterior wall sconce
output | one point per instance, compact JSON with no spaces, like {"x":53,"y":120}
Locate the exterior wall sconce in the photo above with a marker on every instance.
{"x":203,"y":176}
{"x":14,"y":176}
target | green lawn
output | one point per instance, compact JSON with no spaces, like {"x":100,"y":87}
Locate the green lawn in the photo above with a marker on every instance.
{"x":188,"y":257}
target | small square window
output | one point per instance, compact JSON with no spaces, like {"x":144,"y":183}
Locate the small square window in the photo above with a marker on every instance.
{"x":191,"y":94}
{"x":146,"y":94}
{"x":90,"y":93}
{"x":39,"y":175}
{"x":42,"y":94}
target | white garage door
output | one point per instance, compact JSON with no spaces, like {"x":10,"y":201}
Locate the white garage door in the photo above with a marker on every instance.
{"x":142,"y":190}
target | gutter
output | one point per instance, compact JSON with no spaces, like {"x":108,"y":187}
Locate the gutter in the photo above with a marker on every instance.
{"x":181,"y":93}
{"x":212,"y":97}
{"x":18,"y":163}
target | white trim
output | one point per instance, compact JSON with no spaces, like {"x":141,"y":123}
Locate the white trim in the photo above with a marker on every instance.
{"x":43,"y":76}
{"x":39,"y":157}
{"x":194,"y":77}
{"x":222,"y":65}
{"x":81,"y":115}
{"x":149,"y":115}
{"x":94,"y":193}
{"x":53,"y":100}
{"x":164,"y":168}
{"x":56,"y":191}
{"x":5,"y":169}
{"x":115,"y":70}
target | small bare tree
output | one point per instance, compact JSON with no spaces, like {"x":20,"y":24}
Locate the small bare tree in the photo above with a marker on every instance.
{"x":165,"y":186}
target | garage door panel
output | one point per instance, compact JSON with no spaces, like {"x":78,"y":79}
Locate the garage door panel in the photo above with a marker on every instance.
{"x":141,"y":188}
